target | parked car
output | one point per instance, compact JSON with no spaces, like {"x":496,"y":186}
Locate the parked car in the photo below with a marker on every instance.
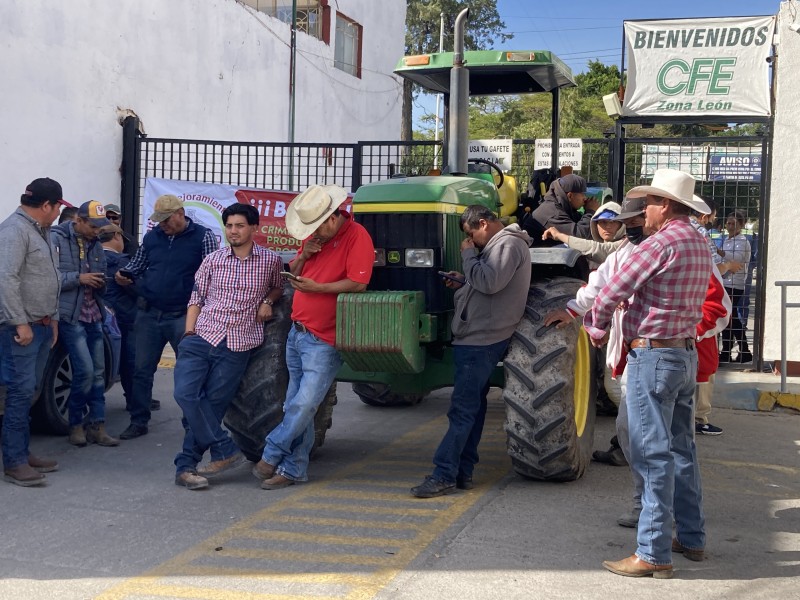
{"x":49,"y":411}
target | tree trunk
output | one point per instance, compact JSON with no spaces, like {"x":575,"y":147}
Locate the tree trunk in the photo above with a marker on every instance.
{"x":407,"y":122}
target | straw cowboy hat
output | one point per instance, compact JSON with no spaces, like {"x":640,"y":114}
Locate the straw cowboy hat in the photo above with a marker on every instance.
{"x":675,"y":185}
{"x":310,"y":209}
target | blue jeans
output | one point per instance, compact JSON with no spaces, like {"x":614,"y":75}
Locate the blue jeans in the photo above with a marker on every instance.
{"x":312,"y":365}
{"x":457,"y":453}
{"x":22,"y":368}
{"x":660,"y":398}
{"x":153,"y":330}
{"x":127,"y":360}
{"x":84,"y":344}
{"x":206,"y":379}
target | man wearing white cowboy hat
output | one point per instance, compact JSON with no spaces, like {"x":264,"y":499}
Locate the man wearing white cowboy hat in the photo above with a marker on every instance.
{"x":667,"y":276}
{"x":336,"y":256}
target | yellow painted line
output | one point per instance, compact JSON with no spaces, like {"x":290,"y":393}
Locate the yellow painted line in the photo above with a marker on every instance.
{"x":316,"y":538}
{"x":175,"y":591}
{"x":408,"y":207}
{"x":748,"y":465}
{"x":442,"y":501}
{"x":166,"y":363}
{"x":380,"y":570}
{"x":268,"y":576}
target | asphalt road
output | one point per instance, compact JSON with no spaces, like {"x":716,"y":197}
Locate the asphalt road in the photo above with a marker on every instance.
{"x":112,"y":524}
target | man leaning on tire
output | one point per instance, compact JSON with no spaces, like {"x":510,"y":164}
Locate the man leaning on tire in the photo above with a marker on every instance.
{"x":336,"y":256}
{"x":488,"y":306}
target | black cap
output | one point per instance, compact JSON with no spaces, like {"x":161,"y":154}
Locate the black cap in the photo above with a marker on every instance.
{"x":44,"y":190}
{"x":572,"y":183}
{"x":632,"y":207}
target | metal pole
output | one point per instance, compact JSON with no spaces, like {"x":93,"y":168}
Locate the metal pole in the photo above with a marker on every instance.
{"x":292,"y":91}
{"x":555,"y":128}
{"x":783,"y":339}
{"x":437,"y":122}
{"x":459,"y":102}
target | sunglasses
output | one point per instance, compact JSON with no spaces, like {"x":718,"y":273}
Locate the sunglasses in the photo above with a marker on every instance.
{"x":112,"y":217}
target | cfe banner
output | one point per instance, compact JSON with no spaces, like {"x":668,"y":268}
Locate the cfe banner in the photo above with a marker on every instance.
{"x":693,"y":67}
{"x":204,"y":203}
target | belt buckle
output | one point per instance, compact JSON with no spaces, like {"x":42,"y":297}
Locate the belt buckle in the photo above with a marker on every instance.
{"x":300,"y":327}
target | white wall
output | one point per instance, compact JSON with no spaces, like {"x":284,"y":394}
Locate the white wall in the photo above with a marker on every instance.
{"x":784,"y":206}
{"x":206,"y":69}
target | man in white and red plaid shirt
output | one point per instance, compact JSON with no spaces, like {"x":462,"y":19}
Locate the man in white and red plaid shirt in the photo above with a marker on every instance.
{"x":667,"y":276}
{"x":235,"y":288}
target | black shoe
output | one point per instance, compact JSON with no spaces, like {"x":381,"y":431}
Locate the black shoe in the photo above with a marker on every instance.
{"x":464,"y":483}
{"x":133,"y":431}
{"x":431,"y":488}
{"x":155,"y":405}
{"x":744,"y":357}
{"x":613,"y":456}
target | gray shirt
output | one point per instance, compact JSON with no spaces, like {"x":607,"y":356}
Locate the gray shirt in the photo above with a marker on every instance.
{"x":29,"y":278}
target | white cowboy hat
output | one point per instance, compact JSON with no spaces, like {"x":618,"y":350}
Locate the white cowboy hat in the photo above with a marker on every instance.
{"x":310,"y":209}
{"x":675,"y":185}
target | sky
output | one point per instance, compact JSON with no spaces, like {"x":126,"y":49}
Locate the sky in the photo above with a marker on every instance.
{"x":582,"y":30}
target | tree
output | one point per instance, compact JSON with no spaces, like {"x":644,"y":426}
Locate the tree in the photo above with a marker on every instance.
{"x":484,"y":27}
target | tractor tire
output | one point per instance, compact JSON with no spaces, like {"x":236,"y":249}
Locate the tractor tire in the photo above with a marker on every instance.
{"x":550,"y":389}
{"x":257,"y":407}
{"x":381,"y":395}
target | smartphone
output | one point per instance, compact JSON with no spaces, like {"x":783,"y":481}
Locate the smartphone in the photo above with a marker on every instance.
{"x":126,"y":274}
{"x":447,"y":275}
{"x":289,"y":275}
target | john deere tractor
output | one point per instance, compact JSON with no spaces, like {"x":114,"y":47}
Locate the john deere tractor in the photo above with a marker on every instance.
{"x":395,"y":338}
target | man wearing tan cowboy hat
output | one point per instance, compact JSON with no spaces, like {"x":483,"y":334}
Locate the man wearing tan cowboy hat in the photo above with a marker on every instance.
{"x":668,"y":277}
{"x":336,"y":256}
{"x":163,"y":269}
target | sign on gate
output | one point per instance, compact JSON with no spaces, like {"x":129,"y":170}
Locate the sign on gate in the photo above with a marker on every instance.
{"x":497,"y":151}
{"x":570,"y":153}
{"x":735,"y":164}
{"x":691,"y":67}
{"x":689,"y":159}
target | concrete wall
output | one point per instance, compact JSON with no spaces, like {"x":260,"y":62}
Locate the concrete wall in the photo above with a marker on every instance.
{"x":208,"y":69}
{"x":784,"y":207}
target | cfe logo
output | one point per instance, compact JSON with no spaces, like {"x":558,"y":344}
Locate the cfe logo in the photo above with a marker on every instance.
{"x":677,"y":76}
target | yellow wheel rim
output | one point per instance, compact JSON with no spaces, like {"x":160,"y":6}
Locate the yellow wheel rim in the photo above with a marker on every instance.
{"x":582,"y":378}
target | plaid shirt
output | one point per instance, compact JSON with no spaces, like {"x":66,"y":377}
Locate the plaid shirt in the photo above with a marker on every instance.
{"x":669,"y":274}
{"x":229,"y":291}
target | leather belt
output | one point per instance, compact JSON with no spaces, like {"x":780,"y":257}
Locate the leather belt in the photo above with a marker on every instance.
{"x":687,"y":343}
{"x":44,"y":321}
{"x":300,"y":327}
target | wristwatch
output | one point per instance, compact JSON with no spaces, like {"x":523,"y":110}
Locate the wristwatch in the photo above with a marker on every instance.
{"x":267,"y":301}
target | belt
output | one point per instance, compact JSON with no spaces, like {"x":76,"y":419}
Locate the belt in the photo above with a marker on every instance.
{"x":42,"y":321}
{"x":687,"y":343}
{"x":300,"y":327}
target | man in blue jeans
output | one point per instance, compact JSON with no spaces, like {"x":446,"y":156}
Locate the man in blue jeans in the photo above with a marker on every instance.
{"x":235,"y":288}
{"x":336,"y":256}
{"x":163,"y":269}
{"x":497,"y":275}
{"x":28,"y":321}
{"x":82,"y":263}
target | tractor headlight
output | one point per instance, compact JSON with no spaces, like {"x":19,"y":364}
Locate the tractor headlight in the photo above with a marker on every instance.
{"x":380,"y":257}
{"x":419,"y":257}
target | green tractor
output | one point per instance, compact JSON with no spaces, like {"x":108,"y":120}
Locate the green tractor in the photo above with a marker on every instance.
{"x":395,"y":338}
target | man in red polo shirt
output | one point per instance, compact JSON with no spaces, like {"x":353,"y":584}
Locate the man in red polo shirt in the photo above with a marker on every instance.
{"x":336,"y":256}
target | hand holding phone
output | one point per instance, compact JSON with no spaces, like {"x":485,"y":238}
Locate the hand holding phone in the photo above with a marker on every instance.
{"x":447,"y":275}
{"x":289,"y":275}
{"x":126,"y":274}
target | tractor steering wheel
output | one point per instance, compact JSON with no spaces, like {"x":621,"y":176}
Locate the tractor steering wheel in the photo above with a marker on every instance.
{"x":493,"y":166}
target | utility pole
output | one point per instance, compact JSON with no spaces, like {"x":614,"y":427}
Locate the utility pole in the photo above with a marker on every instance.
{"x":292,"y":90}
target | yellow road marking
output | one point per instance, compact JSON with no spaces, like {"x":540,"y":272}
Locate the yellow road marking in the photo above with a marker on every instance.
{"x":331,"y":505}
{"x":748,"y":465}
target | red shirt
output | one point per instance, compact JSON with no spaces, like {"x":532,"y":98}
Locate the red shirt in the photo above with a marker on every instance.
{"x":348,"y":255}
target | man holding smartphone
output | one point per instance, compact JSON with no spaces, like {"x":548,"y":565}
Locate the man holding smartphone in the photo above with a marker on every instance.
{"x":82,"y":263}
{"x":336,"y":256}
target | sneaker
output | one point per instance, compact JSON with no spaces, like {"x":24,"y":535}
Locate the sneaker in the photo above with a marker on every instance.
{"x":191,"y":481}
{"x":218,"y":467}
{"x":43,"y":465}
{"x":707,"y":429}
{"x":23,"y":475}
{"x":431,"y":488}
{"x":133,"y":431}
{"x":464,"y":483}
{"x":630,"y":519}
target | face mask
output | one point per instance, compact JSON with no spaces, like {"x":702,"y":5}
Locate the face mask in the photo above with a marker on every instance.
{"x":635,"y":235}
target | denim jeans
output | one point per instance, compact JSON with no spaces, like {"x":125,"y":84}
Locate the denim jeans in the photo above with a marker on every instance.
{"x":206,"y":379}
{"x":153,"y":330}
{"x":624,"y":439}
{"x":457,"y":453}
{"x":22,"y":368}
{"x":660,"y":398}
{"x":84,"y":344}
{"x":127,"y":360}
{"x":312,"y":365}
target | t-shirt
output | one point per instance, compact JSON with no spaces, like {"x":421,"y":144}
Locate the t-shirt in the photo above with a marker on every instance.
{"x":348,"y":255}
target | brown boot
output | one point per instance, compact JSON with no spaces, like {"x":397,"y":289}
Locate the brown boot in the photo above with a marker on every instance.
{"x":23,"y":475}
{"x":96,"y":434}
{"x":77,"y":436}
{"x":43,"y":465}
{"x":263,"y":470}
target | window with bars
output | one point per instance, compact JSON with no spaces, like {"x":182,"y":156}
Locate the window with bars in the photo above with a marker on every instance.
{"x":310,"y":13}
{"x":347,"y":48}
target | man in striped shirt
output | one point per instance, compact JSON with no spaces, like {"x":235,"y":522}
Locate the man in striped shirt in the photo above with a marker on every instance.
{"x":235,"y":288}
{"x":668,"y":278}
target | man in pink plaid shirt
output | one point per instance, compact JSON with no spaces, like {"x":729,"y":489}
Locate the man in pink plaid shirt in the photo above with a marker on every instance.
{"x":234,"y":290}
{"x":666,"y":279}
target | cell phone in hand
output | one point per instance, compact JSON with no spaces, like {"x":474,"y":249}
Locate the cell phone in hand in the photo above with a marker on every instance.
{"x":289,"y":275}
{"x":126,"y":274}
{"x":447,"y":275}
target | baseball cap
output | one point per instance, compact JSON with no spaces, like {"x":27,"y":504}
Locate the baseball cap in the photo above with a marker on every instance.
{"x":573,"y":183}
{"x":113,"y":208}
{"x":107,"y":232}
{"x":94,"y":212}
{"x":44,"y":190}
{"x":165,"y":206}
{"x":632,"y":207}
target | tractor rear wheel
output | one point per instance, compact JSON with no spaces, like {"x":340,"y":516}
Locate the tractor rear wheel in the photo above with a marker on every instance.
{"x":380,"y":394}
{"x":550,"y":389}
{"x":258,"y":406}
